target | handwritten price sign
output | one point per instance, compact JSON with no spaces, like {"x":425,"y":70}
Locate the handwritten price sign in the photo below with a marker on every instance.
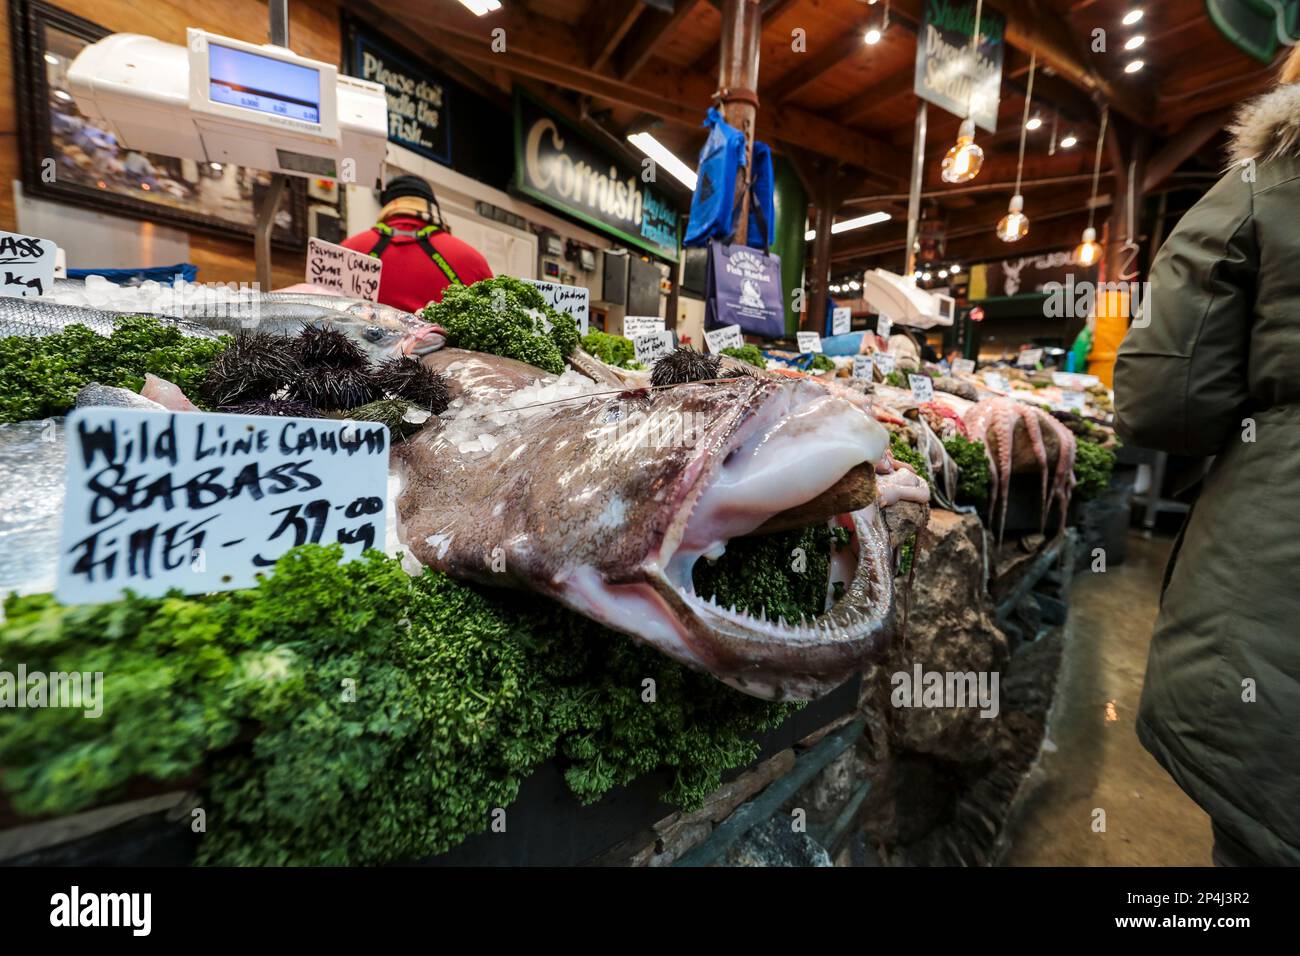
{"x":26,"y":265}
{"x":575,"y":300}
{"x":204,"y":502}
{"x":342,"y":270}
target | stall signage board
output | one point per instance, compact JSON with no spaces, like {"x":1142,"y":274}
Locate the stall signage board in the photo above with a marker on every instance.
{"x":343,"y":270}
{"x":922,"y":388}
{"x":652,"y":346}
{"x":946,"y":73}
{"x":809,"y":341}
{"x":884,"y":327}
{"x":206,"y":502}
{"x":884,"y":361}
{"x":727,"y":337}
{"x":635,"y":325}
{"x":26,"y":265}
{"x":558,"y":166}
{"x":862,"y":366}
{"x":841,"y":320}
{"x":419,"y":98}
{"x":963,"y":366}
{"x":572,"y":299}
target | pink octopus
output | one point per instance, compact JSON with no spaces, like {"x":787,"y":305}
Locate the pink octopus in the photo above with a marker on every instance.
{"x":999,"y":416}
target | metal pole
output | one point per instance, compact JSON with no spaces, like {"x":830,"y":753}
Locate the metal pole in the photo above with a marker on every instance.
{"x":279,"y":30}
{"x":742,"y":27}
{"x":918,"y":174}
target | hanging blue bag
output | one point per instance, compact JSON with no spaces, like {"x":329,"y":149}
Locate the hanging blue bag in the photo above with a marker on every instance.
{"x":721,"y":160}
{"x":762,"y":205}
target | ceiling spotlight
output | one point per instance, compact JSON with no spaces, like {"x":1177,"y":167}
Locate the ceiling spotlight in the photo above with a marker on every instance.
{"x":51,"y":59}
{"x":955,"y":268}
{"x":1070,"y":141}
{"x":1134,"y":42}
{"x":873,"y":36}
{"x":926,"y":277}
{"x":943,"y":273}
{"x":481,"y":7}
{"x":1132,"y":17}
{"x":1134,"y":66}
{"x":1034,"y":123}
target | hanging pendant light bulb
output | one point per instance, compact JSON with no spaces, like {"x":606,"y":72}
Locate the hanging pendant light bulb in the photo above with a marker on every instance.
{"x":1088,"y":251}
{"x":1014,"y":226}
{"x":962,"y":163}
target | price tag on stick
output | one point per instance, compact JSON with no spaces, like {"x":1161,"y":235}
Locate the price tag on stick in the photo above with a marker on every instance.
{"x":634,"y":325}
{"x":862,"y":366}
{"x":575,"y":300}
{"x":344,"y":271}
{"x":727,"y":337}
{"x":841,"y":320}
{"x":652,"y":346}
{"x":884,"y":361}
{"x":809,"y":341}
{"x":963,"y":366}
{"x":206,"y":502}
{"x":922,"y":388}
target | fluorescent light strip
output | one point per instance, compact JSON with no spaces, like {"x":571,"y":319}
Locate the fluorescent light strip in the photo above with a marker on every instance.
{"x":481,"y":7}
{"x":868,"y":220}
{"x":664,"y":157}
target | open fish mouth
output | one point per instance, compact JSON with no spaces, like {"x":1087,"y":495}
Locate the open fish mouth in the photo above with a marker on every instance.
{"x":789,"y":459}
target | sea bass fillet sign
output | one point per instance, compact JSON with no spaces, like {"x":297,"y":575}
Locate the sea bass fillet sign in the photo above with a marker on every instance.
{"x":207,"y":502}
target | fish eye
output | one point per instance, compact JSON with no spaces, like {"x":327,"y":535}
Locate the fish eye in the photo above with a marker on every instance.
{"x":373,"y":333}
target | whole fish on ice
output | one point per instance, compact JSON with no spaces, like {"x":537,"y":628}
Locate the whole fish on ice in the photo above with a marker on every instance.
{"x":558,"y":486}
{"x":37,"y":318}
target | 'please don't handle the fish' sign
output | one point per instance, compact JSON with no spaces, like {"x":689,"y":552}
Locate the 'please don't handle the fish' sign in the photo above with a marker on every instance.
{"x":206,"y":502}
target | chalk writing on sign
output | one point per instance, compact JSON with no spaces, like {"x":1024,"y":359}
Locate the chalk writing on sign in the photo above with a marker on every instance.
{"x":727,"y":337}
{"x":634,"y":325}
{"x":652,"y":346}
{"x":205,"y":502}
{"x":574,"y":300}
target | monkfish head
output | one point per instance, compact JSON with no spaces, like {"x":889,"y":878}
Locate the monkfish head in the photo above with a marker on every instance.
{"x":607,"y":502}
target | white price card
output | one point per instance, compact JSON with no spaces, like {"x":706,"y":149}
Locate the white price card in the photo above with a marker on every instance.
{"x":1029,"y":358}
{"x":204,"y":502}
{"x":997,"y":382}
{"x":727,"y":337}
{"x":26,"y":265}
{"x":652,"y":346}
{"x":575,"y":300}
{"x":922,"y":388}
{"x":963,"y":366}
{"x":841,"y":320}
{"x":884,"y":327}
{"x":344,"y":271}
{"x":1073,"y":401}
{"x":809,"y":341}
{"x":1075,"y":380}
{"x":884,"y":361}
{"x":634,"y":325}
{"x":862,"y":366}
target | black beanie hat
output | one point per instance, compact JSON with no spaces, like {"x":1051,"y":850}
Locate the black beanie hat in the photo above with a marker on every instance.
{"x":407,"y":185}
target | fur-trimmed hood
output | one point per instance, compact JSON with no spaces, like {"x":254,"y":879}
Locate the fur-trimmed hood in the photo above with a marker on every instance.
{"x":1267,"y":127}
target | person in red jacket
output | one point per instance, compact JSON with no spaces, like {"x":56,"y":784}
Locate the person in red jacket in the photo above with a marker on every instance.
{"x":421,"y":257}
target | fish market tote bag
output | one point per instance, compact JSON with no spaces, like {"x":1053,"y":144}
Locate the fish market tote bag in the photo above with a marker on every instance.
{"x":744,"y":287}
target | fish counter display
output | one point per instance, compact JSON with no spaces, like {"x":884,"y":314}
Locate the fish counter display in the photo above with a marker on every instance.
{"x":754,"y":527}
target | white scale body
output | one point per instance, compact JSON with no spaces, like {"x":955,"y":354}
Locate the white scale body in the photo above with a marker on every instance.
{"x":219,"y":100}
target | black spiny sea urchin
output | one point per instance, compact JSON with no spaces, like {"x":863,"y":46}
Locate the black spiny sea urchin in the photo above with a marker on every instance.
{"x":684,"y":364}
{"x":335,"y":389}
{"x":322,"y":347}
{"x":254,"y":366}
{"x":407,"y":378}
{"x":274,"y":407}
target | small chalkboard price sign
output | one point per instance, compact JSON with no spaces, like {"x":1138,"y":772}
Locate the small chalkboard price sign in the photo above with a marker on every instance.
{"x":204,"y":502}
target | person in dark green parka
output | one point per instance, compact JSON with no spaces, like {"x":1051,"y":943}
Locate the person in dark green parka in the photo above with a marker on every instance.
{"x":1211,"y":367}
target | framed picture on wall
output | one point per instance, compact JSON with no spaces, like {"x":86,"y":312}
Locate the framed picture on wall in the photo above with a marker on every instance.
{"x":67,"y":158}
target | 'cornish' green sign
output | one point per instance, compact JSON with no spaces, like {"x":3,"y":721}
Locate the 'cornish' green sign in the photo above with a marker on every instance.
{"x":556,"y":165}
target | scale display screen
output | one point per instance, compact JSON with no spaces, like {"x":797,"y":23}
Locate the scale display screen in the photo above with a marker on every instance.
{"x":263,"y":83}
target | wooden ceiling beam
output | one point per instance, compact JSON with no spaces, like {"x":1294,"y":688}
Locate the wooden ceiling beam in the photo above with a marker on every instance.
{"x":1185,"y":144}
{"x":817,"y":62}
{"x":605,"y":26}
{"x":655,"y":26}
